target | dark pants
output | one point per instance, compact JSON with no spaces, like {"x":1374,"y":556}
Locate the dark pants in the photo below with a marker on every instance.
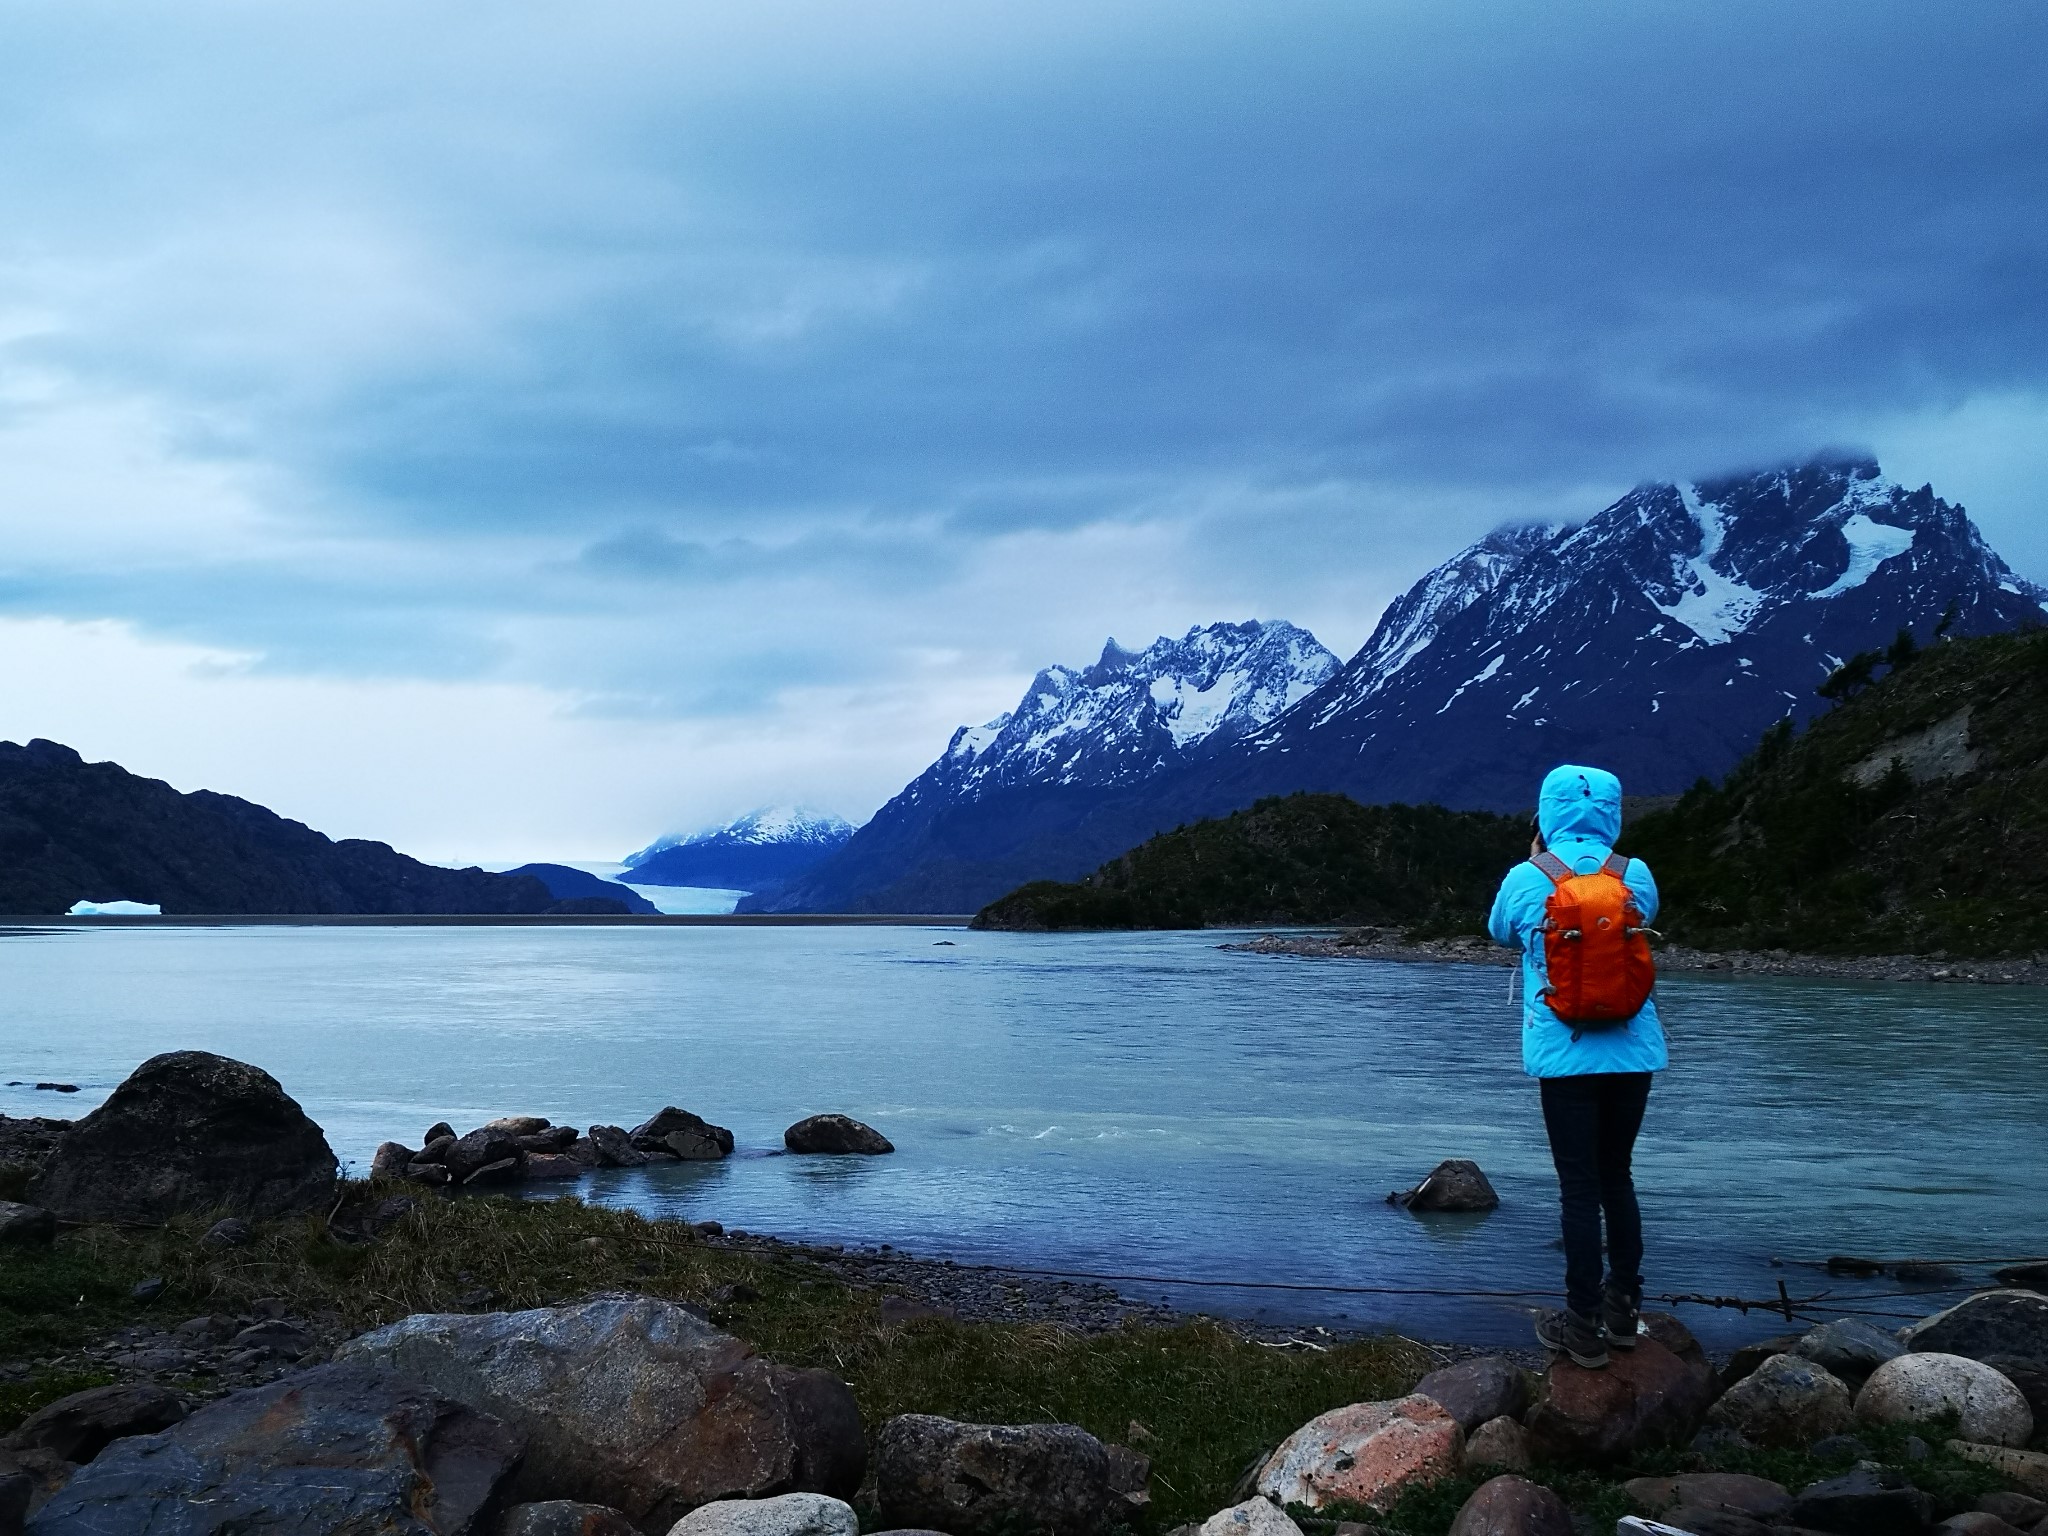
{"x":1592,"y":1121}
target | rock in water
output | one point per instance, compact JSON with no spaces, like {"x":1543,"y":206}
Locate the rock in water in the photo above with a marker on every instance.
{"x":26,"y":1226}
{"x":1512,"y":1506}
{"x":1848,"y":1349}
{"x":1652,"y":1395}
{"x":682,"y":1134}
{"x":338,"y":1448}
{"x":836,"y":1134}
{"x":190,"y":1131}
{"x":1254,"y":1517}
{"x":1868,"y":1499}
{"x":77,"y":1428}
{"x":990,"y":1479}
{"x":1787,"y":1402}
{"x":614,"y":1148}
{"x":564,"y":1517}
{"x":1456,"y":1184}
{"x":2027,"y":1277}
{"x":1989,"y":1323}
{"x":789,"y":1514}
{"x":467,"y":1156}
{"x":1473,"y":1391}
{"x":635,"y":1403}
{"x":1368,"y":1453}
{"x":1923,"y":1389}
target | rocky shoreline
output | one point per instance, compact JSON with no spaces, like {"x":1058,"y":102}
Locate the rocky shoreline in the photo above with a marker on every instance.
{"x":1393,"y":944}
{"x":443,"y":1363}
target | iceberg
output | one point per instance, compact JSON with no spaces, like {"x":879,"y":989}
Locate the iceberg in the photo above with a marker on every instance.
{"x":115,"y":909}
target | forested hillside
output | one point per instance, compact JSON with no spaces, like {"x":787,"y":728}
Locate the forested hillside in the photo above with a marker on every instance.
{"x":1288,"y":859}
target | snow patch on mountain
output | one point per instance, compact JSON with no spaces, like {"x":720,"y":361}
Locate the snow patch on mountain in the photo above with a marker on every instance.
{"x":1870,"y":545}
{"x":1714,"y":605}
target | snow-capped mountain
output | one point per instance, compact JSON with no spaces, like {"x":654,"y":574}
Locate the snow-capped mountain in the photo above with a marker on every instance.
{"x":1117,"y":723}
{"x":1660,"y":637}
{"x":758,"y":849}
{"x":1133,"y":712}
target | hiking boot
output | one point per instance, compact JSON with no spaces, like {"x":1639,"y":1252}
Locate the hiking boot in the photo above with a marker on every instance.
{"x":1580,"y":1339}
{"x":1621,"y":1318}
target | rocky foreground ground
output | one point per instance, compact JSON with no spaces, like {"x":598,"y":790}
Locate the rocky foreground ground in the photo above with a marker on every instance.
{"x":1394,"y":944}
{"x":254,"y":1346}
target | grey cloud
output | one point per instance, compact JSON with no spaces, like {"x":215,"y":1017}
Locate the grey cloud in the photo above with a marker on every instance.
{"x":686,"y":302}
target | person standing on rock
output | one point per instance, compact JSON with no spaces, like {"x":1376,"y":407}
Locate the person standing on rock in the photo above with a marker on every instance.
{"x":1580,"y":914}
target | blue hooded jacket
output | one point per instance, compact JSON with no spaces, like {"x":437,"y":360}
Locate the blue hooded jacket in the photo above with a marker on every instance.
{"x":1579,"y":814}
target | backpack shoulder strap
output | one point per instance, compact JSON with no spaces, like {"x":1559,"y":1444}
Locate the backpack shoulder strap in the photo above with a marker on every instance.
{"x":1616,"y":865}
{"x":1553,"y":866}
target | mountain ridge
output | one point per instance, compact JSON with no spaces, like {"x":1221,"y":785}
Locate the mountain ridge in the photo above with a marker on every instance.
{"x":1659,"y":636}
{"x":1103,"y":728}
{"x":762,"y":848}
{"x":75,"y":831}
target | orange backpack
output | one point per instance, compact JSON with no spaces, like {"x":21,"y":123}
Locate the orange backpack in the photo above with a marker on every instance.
{"x":1596,"y":951}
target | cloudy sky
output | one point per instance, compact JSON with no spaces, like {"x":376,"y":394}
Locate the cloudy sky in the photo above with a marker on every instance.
{"x":520,"y":429}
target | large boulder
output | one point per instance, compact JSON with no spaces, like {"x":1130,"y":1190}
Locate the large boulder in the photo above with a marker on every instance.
{"x":788,"y":1514}
{"x":565,"y":1517}
{"x":77,"y":1428}
{"x":338,"y":1448}
{"x":1455,"y":1184}
{"x":1512,"y":1506}
{"x":1867,"y":1500}
{"x":990,"y":1479}
{"x":681,"y":1134}
{"x":1787,"y":1402}
{"x":635,"y":1403}
{"x":1367,"y":1453}
{"x":189,"y":1131}
{"x":1650,"y":1396}
{"x":1254,"y":1517}
{"x":1749,"y":1356}
{"x":1848,"y":1349}
{"x":1473,"y":1391}
{"x":1732,"y":1492}
{"x":26,"y":1226}
{"x":2025,"y":1470}
{"x":1989,"y":1323}
{"x":2031,"y":1377}
{"x":1501,"y":1444}
{"x":1923,"y":1389}
{"x":836,"y":1134}
{"x":483,"y":1148}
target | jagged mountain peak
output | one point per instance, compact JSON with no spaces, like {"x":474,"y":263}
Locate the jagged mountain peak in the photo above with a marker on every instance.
{"x":1134,"y":710}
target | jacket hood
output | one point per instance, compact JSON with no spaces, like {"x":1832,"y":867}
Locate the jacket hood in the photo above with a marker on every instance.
{"x":1579,"y":802}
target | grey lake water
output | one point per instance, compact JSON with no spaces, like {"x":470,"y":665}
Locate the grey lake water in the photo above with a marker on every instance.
{"x":1137,"y":1105}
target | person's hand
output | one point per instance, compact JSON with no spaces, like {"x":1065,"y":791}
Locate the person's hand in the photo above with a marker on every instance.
{"x":1535,"y":845}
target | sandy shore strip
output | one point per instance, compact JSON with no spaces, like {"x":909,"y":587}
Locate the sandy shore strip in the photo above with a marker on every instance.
{"x":1390,"y":944}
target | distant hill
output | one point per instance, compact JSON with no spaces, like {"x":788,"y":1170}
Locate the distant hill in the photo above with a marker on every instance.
{"x":1911,"y":820}
{"x":760,"y":851}
{"x":75,"y":831}
{"x":1293,"y":859}
{"x":565,"y":882}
